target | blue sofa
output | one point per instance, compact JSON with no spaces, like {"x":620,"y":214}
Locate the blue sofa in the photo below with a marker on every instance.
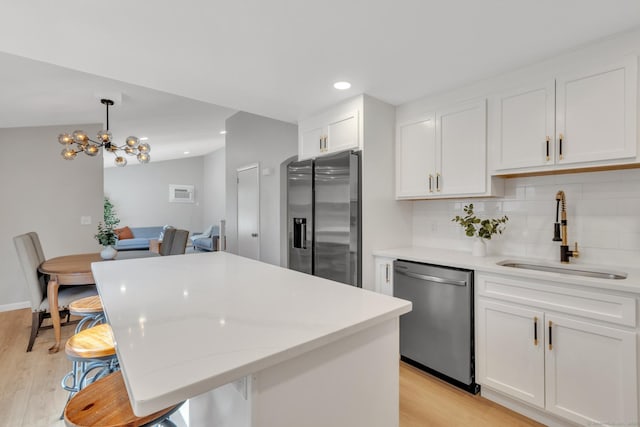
{"x":206,"y":241}
{"x":141,"y":237}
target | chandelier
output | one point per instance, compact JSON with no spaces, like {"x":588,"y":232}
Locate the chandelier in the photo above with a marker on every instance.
{"x":79,"y":142}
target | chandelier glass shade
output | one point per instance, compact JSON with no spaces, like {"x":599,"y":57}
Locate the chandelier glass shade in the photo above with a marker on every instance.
{"x":79,"y":142}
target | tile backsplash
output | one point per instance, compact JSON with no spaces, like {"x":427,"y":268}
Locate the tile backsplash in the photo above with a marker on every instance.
{"x":603,"y":216}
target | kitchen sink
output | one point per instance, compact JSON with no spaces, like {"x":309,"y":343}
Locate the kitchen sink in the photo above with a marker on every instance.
{"x":574,"y":270}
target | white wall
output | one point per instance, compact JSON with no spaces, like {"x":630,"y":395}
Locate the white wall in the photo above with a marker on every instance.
{"x":385,"y":222}
{"x":256,"y":139}
{"x":140,"y":193}
{"x":603,"y":216}
{"x":214,"y":194}
{"x":44,"y":193}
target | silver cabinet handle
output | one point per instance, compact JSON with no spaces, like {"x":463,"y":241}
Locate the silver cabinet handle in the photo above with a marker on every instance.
{"x":432,"y":278}
{"x":387,"y":273}
{"x":254,"y":234}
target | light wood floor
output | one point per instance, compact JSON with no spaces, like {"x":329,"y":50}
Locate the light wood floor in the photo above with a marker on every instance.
{"x":31,"y":396}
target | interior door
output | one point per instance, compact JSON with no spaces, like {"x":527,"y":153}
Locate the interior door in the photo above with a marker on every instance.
{"x":249,"y":212}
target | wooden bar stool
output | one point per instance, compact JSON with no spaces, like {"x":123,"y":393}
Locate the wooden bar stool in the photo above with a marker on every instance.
{"x":91,"y":351}
{"x":90,"y":309}
{"x":105,"y":403}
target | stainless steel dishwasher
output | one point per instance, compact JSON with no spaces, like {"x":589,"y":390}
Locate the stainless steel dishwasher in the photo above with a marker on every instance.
{"x":437,"y":335}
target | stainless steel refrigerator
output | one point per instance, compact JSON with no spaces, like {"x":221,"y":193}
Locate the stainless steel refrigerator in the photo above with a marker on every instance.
{"x":324,"y":217}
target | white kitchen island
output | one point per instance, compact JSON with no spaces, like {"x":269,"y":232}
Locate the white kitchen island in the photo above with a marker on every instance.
{"x":252,"y":344}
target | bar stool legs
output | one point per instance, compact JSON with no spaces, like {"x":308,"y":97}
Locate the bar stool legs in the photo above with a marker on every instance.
{"x":91,"y":311}
{"x":93,"y":356}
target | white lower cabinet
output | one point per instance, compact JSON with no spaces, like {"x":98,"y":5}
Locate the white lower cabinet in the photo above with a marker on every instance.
{"x":384,"y":275}
{"x":583,"y":370}
{"x":590,"y":372}
{"x":510,"y":358}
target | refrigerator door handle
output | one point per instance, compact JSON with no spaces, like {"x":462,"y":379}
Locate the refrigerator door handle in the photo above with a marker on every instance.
{"x":303,"y":236}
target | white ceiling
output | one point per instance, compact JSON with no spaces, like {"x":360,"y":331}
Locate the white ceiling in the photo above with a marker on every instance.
{"x":39,"y":94}
{"x":277,"y":58}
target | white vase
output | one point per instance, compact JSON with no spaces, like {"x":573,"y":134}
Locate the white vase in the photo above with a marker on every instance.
{"x":108,"y":252}
{"x":479,"y":247}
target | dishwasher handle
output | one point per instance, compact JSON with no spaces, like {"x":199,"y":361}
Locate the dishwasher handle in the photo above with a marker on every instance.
{"x":432,"y":278}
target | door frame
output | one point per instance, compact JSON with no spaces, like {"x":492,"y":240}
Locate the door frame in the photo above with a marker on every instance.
{"x":238,"y":170}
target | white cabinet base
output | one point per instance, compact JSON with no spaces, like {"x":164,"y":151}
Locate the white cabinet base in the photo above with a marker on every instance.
{"x":515,"y":405}
{"x":351,"y":382}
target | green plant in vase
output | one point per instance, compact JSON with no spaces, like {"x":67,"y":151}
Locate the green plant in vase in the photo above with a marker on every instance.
{"x":106,"y":235}
{"x":480,"y":228}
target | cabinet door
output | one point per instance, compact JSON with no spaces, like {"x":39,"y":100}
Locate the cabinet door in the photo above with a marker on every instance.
{"x":342,"y":132}
{"x":416,"y":158}
{"x":591,"y":372}
{"x":596,"y":114}
{"x":525,"y":126}
{"x":461,"y":143}
{"x":510,"y":359}
{"x":310,"y":141}
{"x":384,"y":275}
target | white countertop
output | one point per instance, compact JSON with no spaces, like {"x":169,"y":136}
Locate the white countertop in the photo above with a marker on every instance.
{"x":187,"y":324}
{"x":488,"y":264}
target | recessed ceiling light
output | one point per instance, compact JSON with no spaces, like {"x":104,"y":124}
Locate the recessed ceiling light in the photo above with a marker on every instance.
{"x":143,"y":138}
{"x":342,"y":85}
{"x":223,"y":132}
{"x":187,"y":152}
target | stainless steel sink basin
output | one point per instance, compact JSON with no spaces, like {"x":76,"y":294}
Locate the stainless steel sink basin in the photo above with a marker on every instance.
{"x":574,"y":270}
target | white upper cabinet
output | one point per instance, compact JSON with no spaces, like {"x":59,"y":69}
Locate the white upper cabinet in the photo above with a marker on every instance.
{"x":416,"y":157}
{"x":587,"y":118}
{"x":596,"y":114}
{"x":526,"y":126}
{"x":310,"y":142}
{"x":342,"y":132}
{"x":461,"y":147}
{"x":337,"y":129}
{"x":443,"y":154}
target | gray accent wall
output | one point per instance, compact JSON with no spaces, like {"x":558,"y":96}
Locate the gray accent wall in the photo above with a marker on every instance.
{"x":44,"y":193}
{"x":254,"y":139}
{"x":140,"y":193}
{"x":214,"y":188}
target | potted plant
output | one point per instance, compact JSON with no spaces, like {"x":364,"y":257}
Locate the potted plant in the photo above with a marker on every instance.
{"x":106,"y":235}
{"x":480,"y":228}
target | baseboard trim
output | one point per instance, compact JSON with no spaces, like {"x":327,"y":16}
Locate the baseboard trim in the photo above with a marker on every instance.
{"x":525,"y":409}
{"x":15,"y":306}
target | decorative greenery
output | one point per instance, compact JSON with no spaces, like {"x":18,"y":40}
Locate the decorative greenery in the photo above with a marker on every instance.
{"x":106,"y":234}
{"x":476,"y":227}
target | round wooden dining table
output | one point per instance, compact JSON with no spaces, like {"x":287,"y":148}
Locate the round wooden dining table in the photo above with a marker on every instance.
{"x":75,"y":270}
{"x":66,"y":270}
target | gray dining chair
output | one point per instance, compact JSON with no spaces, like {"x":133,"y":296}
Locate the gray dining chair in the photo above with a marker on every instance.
{"x":30,"y":256}
{"x":179,"y":244}
{"x":167,"y":241}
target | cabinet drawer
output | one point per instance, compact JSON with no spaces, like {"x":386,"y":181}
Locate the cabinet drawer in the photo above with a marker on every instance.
{"x":594,"y":305}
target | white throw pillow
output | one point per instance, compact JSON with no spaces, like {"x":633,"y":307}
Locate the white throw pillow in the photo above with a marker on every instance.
{"x":208,"y":231}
